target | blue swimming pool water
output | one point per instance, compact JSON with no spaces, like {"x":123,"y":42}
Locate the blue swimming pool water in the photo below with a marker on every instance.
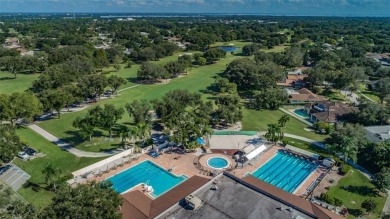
{"x":228,"y":48}
{"x":301,"y":113}
{"x":217,"y":162}
{"x":285,"y":171}
{"x":149,"y":173}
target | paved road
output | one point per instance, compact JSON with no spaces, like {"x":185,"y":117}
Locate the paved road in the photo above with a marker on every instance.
{"x":68,"y":147}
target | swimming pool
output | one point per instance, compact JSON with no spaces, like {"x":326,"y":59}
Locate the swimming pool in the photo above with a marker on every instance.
{"x":285,"y":171}
{"x":301,"y":113}
{"x":148,"y":173}
{"x":217,"y":162}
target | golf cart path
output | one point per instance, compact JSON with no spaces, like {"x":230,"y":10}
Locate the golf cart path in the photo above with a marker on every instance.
{"x":68,"y":147}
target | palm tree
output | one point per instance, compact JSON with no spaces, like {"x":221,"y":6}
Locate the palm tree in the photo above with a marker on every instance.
{"x":283,"y":120}
{"x":348,"y":148}
{"x":274,"y":133}
{"x":144,"y":130}
{"x":51,"y":174}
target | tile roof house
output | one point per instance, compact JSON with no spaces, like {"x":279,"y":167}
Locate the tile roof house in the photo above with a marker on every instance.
{"x":293,"y":80}
{"x":327,"y":111}
{"x":303,"y":96}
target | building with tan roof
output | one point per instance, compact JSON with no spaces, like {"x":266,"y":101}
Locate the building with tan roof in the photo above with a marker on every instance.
{"x":328,"y":111}
{"x":303,"y":96}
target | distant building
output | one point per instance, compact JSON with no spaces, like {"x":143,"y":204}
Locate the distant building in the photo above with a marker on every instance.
{"x":327,"y":111}
{"x":378,"y":133}
{"x":293,"y":80}
{"x":303,"y":96}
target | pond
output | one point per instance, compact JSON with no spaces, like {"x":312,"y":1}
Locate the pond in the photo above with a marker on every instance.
{"x":228,"y":48}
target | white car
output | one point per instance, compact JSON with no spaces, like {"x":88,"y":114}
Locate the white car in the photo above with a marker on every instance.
{"x":23,"y":155}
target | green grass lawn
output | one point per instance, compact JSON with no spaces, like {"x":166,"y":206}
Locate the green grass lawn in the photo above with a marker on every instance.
{"x":359,"y":189}
{"x":371,"y":95}
{"x":35,"y":190}
{"x":8,"y":84}
{"x":305,"y":146}
{"x":334,"y":95}
{"x":258,"y":120}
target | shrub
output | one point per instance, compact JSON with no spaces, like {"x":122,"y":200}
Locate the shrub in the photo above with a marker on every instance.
{"x":337,"y":202}
{"x":345,"y":169}
{"x":326,"y":198}
{"x":369,"y":205}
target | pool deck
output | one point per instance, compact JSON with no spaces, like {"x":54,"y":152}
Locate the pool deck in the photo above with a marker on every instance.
{"x":183,"y":164}
{"x":265,"y":157}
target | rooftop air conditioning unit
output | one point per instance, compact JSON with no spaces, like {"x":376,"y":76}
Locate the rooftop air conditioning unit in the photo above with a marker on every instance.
{"x":193,"y":202}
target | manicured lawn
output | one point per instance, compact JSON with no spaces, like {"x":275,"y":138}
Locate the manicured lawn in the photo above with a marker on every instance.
{"x":334,"y":95}
{"x":8,"y":84}
{"x":359,"y":189}
{"x":35,"y":190}
{"x":371,"y":95}
{"x":276,"y":49}
{"x":258,"y":120}
{"x":305,"y":146}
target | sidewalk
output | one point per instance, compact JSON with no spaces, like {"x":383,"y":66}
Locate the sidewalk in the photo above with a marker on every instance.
{"x":68,"y":147}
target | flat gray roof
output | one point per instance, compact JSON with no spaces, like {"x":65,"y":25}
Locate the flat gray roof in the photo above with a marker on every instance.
{"x":378,"y":133}
{"x":234,"y":200}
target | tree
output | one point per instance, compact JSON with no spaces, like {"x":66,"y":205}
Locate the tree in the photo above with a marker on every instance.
{"x":347,"y":147}
{"x":52,"y":175}
{"x":175,"y":68}
{"x":214,"y":54}
{"x":10,"y":143}
{"x":86,"y":125}
{"x":151,"y":72}
{"x":23,"y":105}
{"x":139,"y":110}
{"x":100,"y":59}
{"x":271,"y":99}
{"x":382,"y":179}
{"x":250,"y":49}
{"x":106,"y":118}
{"x":92,"y":200}
{"x":283,"y":120}
{"x":56,"y":99}
{"x":369,"y":205}
{"x":115,"y":82}
{"x":228,"y":109}
{"x":274,"y":133}
{"x":223,"y":85}
{"x":382,"y":87}
{"x":93,"y":85}
{"x":144,"y":131}
{"x":5,"y":112}
{"x":293,"y":57}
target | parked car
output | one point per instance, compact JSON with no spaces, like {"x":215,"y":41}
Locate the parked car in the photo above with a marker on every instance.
{"x":4,"y":169}
{"x":30,"y":151}
{"x":23,"y":155}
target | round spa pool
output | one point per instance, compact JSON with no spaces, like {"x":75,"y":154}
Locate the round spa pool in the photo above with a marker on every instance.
{"x":217,"y":162}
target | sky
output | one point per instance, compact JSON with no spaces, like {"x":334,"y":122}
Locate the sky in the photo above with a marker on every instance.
{"x":269,"y":7}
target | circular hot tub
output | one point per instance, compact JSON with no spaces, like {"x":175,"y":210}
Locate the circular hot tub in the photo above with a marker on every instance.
{"x":217,"y":162}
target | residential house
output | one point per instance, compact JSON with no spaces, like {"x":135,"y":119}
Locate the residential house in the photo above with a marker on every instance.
{"x":327,"y":111}
{"x":378,"y":133}
{"x":293,"y":80}
{"x":303,"y":96}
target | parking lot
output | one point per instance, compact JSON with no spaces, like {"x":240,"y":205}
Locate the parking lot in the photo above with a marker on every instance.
{"x":14,"y":177}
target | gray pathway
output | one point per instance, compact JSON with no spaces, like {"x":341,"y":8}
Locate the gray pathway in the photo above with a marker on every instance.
{"x":353,"y":97}
{"x":68,"y":147}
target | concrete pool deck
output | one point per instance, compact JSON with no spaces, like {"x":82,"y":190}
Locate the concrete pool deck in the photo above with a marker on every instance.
{"x":183,"y":164}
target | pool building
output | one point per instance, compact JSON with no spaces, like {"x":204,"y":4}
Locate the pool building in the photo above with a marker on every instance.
{"x":224,"y":196}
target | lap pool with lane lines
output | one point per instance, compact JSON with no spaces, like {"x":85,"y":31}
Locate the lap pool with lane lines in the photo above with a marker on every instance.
{"x":285,"y":171}
{"x":148,"y":173}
